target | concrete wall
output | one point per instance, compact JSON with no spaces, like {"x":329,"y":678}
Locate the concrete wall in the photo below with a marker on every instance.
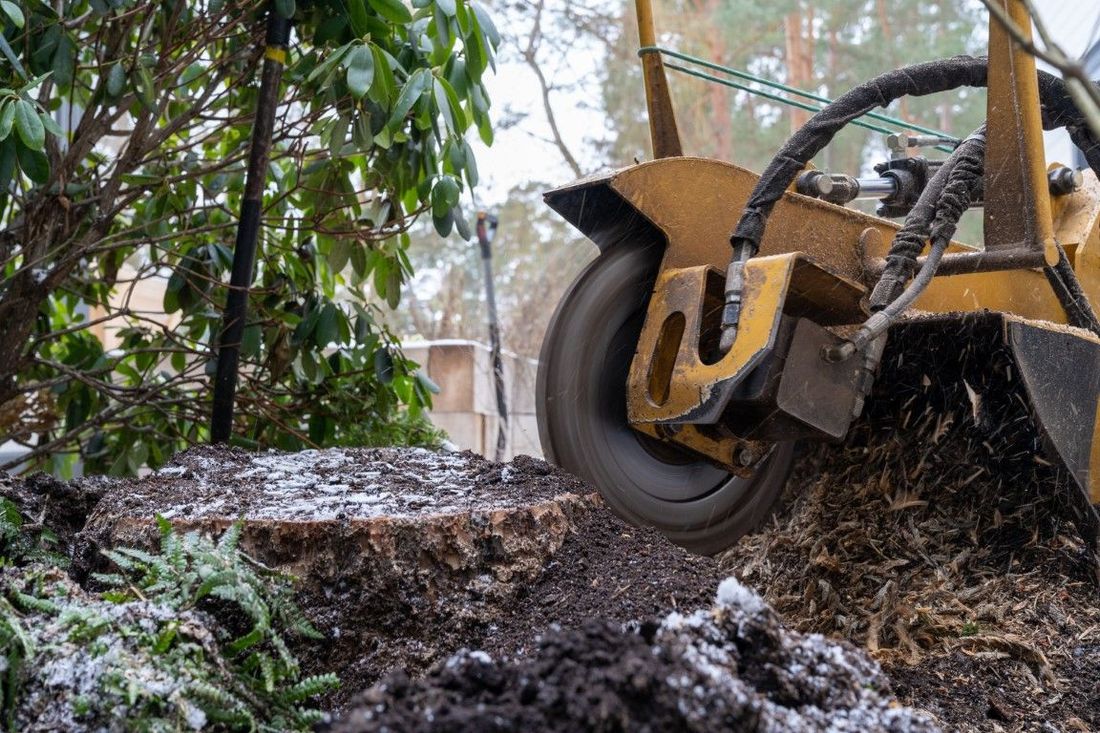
{"x":466,"y":405}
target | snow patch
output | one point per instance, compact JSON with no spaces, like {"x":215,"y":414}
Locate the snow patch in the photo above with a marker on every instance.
{"x":320,"y":485}
{"x":732,"y":594}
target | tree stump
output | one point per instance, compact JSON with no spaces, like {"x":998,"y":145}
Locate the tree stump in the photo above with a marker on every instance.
{"x":397,"y":552}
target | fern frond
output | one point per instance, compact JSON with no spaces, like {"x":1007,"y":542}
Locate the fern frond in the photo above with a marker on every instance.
{"x":231,"y":538}
{"x":309,"y":687}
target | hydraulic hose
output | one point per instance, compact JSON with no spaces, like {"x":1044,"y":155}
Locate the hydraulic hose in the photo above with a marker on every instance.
{"x":1058,"y":110}
{"x":938,"y":210}
{"x":936,"y":215}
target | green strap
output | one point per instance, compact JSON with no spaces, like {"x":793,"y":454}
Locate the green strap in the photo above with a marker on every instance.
{"x":899,"y":123}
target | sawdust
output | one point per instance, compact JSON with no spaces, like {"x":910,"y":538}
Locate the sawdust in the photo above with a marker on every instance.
{"x":937,"y":537}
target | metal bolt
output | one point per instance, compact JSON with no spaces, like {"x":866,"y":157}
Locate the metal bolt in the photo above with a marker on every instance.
{"x":898,"y":142}
{"x":1064,"y":181}
{"x":746,"y":457}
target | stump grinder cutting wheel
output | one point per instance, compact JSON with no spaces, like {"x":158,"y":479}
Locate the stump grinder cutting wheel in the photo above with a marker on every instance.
{"x":683,"y":365}
{"x":583,"y":425}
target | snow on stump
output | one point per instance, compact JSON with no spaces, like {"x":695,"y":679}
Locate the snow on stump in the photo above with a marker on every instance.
{"x":733,"y":667}
{"x":384,"y":542}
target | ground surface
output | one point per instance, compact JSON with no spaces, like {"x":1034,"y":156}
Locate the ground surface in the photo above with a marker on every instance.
{"x":733,"y":667}
{"x":962,"y":575}
{"x":939,"y":538}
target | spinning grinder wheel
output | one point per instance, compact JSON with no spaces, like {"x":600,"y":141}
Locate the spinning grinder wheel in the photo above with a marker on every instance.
{"x":583,"y":427}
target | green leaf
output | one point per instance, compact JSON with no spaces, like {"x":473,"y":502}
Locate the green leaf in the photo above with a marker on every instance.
{"x":251,"y":341}
{"x":360,"y":71}
{"x":440,"y":97}
{"x":443,"y":224}
{"x":338,"y":134}
{"x":410,"y":93}
{"x":51,"y":125}
{"x":485,"y":130}
{"x":191,"y":73}
{"x":15,"y":15}
{"x":461,"y":224}
{"x":444,"y":38}
{"x":7,"y":117}
{"x":7,"y":164}
{"x":334,"y":58}
{"x":393,"y":288}
{"x":426,"y":382}
{"x":383,"y":365}
{"x":146,"y":89}
{"x":329,"y":30}
{"x":357,"y":16}
{"x":339,"y":255}
{"x":33,"y":163}
{"x":486,"y":24}
{"x":392,"y":10}
{"x":116,"y":79}
{"x":470,"y":164}
{"x":445,"y":195}
{"x":327,"y":332}
{"x":450,"y":107}
{"x":9,"y":54}
{"x":64,"y":62}
{"x":29,"y":127}
{"x":384,"y":87}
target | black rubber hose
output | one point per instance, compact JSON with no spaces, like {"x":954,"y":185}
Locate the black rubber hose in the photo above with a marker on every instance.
{"x":936,"y":213}
{"x":936,"y":216}
{"x":1072,"y":297}
{"x":1058,"y":110}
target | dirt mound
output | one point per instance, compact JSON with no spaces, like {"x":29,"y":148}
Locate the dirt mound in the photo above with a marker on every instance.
{"x":606,"y":569}
{"x":938,"y":537}
{"x":405,"y":556}
{"x":47,"y":503}
{"x":733,"y":667}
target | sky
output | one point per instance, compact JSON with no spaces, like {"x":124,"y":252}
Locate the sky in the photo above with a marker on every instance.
{"x":1075,"y":25}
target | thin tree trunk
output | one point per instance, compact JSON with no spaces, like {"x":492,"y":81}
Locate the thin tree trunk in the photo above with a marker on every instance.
{"x":798,"y":32}
{"x":718,"y":96}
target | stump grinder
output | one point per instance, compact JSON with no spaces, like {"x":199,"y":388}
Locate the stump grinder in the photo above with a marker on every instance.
{"x":684,"y":364}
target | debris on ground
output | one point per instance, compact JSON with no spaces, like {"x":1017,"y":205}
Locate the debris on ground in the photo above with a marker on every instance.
{"x":936,"y":537}
{"x":412,"y":554}
{"x":730,"y":667}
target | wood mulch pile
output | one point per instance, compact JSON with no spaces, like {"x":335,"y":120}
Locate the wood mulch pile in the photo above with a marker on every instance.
{"x":938,"y":537}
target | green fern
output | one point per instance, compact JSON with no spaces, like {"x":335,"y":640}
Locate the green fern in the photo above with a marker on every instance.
{"x":20,"y":544}
{"x":264,"y":681}
{"x":16,"y":647}
{"x":165,"y":617}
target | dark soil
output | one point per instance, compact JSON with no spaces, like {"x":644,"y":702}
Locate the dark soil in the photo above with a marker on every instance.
{"x":730,"y":668}
{"x":45,"y":502}
{"x":939,"y":538}
{"x":407,"y":591}
{"x":208,"y":481}
{"x":605,"y":570}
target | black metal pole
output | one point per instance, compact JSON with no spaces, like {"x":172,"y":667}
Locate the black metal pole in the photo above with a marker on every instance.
{"x":248,"y":229}
{"x":486,"y":227}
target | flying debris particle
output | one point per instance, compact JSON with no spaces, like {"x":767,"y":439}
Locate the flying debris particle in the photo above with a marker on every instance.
{"x":975,"y":402}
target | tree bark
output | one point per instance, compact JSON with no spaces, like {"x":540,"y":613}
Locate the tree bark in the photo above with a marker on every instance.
{"x":798,"y":27}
